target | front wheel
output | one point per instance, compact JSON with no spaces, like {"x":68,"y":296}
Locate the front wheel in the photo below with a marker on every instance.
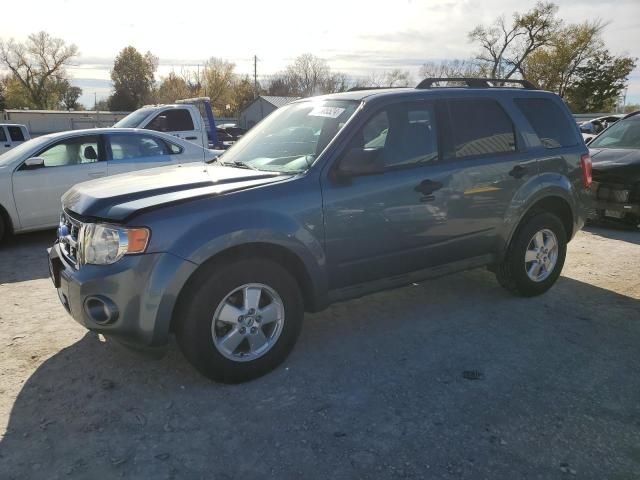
{"x":535,"y":257}
{"x":240,"y":320}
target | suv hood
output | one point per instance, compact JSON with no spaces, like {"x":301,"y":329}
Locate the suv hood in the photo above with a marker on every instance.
{"x":118,"y":197}
{"x":616,"y":162}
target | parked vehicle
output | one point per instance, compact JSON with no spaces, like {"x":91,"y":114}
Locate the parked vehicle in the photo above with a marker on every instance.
{"x":616,"y":172}
{"x":228,"y":134}
{"x":364,"y":191}
{"x":189,"y":119}
{"x":12,"y":135}
{"x":592,"y":128}
{"x":34,"y":175}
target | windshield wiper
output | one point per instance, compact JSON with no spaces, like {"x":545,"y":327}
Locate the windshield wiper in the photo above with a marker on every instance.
{"x":240,"y":164}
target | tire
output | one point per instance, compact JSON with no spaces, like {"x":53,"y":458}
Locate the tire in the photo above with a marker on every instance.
{"x":202,"y":339}
{"x":513,"y":274}
{"x":3,"y":228}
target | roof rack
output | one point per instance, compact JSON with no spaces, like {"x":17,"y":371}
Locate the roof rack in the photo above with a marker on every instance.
{"x":476,"y":82}
{"x":358,"y":89}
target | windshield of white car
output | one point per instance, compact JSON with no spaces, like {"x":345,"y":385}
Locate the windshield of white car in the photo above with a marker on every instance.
{"x":19,"y":151}
{"x":622,"y":134}
{"x":133,"y":120}
{"x":291,"y":138}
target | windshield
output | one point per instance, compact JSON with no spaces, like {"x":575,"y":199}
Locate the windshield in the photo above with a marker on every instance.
{"x":22,"y":149}
{"x":134,"y":119}
{"x":291,"y":138}
{"x":622,"y":134}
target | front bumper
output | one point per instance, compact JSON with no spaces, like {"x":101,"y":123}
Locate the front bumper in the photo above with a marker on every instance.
{"x":140,"y":292}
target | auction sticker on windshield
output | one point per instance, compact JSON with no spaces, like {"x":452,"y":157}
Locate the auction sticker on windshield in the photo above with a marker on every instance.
{"x":329,"y":112}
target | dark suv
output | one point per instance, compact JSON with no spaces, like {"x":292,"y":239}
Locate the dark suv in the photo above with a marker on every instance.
{"x":329,"y":198}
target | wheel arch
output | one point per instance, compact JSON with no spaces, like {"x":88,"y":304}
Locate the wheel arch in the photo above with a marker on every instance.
{"x":278,"y":253}
{"x":6,"y":221}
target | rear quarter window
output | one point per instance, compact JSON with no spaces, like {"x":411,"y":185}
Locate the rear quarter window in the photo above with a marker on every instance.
{"x":549,"y":121}
{"x":3,"y":136}
{"x":16,"y":134}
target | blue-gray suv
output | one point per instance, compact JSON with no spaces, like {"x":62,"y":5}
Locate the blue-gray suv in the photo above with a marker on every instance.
{"x":328,"y":198}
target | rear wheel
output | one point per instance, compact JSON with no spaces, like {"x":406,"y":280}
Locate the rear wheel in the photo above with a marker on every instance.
{"x":535,"y":256}
{"x":241,"y":320}
{"x":3,"y":228}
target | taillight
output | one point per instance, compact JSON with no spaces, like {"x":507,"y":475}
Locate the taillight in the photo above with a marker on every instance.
{"x":587,"y":174}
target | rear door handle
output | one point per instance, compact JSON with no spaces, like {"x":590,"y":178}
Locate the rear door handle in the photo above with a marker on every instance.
{"x":7,"y":145}
{"x":191,"y":138}
{"x":518,"y":171}
{"x":97,"y":174}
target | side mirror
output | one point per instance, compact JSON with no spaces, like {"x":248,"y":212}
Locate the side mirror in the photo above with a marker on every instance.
{"x":361,"y":161}
{"x":586,"y":128}
{"x":33,"y":163}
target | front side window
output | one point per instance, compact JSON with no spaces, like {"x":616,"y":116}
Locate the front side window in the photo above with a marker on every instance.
{"x":623,"y":134}
{"x":73,"y":151}
{"x":400,"y":135}
{"x":549,"y":122}
{"x":176,"y":120}
{"x":292,"y":137}
{"x":480,"y":127}
{"x":126,"y":147}
{"x":16,"y":134}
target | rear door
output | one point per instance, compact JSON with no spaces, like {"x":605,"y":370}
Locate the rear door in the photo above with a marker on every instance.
{"x":128,"y":152}
{"x":489,"y":164}
{"x":178,"y":122}
{"x":37,"y":191}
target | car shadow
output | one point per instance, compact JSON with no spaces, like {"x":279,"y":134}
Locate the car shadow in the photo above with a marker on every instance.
{"x":452,"y":377}
{"x":24,"y":257}
{"x":625,"y":234}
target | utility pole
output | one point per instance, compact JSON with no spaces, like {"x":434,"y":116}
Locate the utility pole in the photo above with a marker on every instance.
{"x":255,"y":76}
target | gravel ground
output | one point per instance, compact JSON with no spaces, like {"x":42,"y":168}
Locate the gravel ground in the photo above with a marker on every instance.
{"x":374,"y":389}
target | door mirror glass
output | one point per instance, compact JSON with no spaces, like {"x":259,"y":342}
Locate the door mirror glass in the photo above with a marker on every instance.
{"x":361,"y":161}
{"x":33,"y":163}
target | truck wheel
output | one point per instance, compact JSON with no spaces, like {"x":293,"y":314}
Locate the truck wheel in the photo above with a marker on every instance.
{"x":241,"y":321}
{"x":535,"y":257}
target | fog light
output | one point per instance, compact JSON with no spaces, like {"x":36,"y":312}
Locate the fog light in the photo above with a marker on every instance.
{"x":100,"y":310}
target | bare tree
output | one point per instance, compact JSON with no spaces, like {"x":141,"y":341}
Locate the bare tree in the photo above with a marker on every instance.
{"x":386,"y":79}
{"x":505,"y":45}
{"x":308,"y":74}
{"x":38,"y":64}
{"x":452,"y":69}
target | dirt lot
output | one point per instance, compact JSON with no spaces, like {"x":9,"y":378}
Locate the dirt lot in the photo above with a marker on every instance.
{"x":374,"y":389}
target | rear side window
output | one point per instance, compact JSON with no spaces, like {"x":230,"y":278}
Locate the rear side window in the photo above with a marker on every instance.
{"x":549,"y":122}
{"x":176,"y":120}
{"x":480,"y":127}
{"x":16,"y":134}
{"x":3,"y":136}
{"x":127,"y":147}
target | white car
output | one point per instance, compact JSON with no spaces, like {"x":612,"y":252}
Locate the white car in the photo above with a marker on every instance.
{"x":34,"y":175}
{"x":12,"y":135}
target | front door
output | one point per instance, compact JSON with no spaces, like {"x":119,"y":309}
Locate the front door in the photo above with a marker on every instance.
{"x":37,"y":191}
{"x":177,"y":122}
{"x":382,"y":223}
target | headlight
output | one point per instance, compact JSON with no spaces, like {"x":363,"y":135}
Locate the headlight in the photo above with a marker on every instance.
{"x":106,"y":244}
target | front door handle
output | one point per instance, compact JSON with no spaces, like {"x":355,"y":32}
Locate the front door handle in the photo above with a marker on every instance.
{"x":427,"y":187}
{"x":190,"y":138}
{"x":7,"y":145}
{"x":518,"y":171}
{"x":97,"y":174}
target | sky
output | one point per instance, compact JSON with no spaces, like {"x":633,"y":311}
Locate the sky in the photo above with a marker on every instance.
{"x":355,"y":37}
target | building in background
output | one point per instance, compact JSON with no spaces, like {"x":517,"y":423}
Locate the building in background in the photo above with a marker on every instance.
{"x":261,"y":107}
{"x":42,"y":122}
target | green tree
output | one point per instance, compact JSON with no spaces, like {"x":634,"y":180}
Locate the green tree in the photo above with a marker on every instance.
{"x":172,"y":88}
{"x":599,"y":83}
{"x":243,"y":93}
{"x":133,"y":79}
{"x":37,"y":65}
{"x":555,"y":66}
{"x":68,"y":95}
{"x":506,"y":44}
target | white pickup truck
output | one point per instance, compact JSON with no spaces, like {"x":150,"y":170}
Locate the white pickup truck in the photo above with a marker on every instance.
{"x":185,"y":119}
{"x":12,"y":135}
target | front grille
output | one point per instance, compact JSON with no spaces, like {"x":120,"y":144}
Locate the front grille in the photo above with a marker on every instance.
{"x":68,"y":233}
